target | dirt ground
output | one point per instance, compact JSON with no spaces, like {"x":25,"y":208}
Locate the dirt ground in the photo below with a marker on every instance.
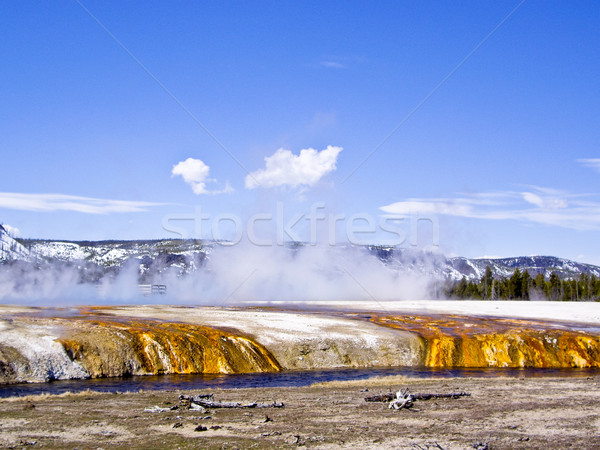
{"x":500,"y":413}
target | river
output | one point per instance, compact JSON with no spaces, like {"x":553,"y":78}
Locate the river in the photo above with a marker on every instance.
{"x":266,"y":380}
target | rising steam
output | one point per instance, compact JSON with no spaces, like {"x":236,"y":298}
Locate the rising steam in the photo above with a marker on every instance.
{"x":229,"y":275}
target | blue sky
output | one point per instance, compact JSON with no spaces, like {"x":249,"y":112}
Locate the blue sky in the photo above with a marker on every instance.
{"x":118,"y":118}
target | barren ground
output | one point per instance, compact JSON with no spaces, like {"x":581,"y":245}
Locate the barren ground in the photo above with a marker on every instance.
{"x":501,"y":413}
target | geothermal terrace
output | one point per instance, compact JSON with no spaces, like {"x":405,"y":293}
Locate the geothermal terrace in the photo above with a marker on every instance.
{"x":42,"y":344}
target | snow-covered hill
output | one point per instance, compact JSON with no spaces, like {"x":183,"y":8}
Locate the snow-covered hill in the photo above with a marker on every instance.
{"x":504,"y":267}
{"x":10,"y":249}
{"x":151,"y":258}
{"x":439,"y":267}
{"x":97,"y":258}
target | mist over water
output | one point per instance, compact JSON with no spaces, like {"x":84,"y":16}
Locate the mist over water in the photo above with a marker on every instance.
{"x":250,"y":273}
{"x":228,"y":275}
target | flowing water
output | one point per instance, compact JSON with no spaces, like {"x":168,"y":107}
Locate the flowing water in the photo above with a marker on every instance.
{"x":266,"y":380}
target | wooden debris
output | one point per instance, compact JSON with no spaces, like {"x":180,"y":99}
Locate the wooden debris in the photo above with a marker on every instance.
{"x":205,"y":401}
{"x":158,"y":409}
{"x":196,"y":398}
{"x":428,"y":446}
{"x":403,"y":399}
{"x":425,"y":396}
{"x":196,"y":407}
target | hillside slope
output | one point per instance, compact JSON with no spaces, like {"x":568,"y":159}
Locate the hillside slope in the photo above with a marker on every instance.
{"x":151,"y":258}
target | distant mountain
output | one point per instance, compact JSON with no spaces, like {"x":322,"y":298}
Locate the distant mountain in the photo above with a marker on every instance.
{"x":504,"y":267}
{"x":440,"y":267}
{"x":97,"y":259}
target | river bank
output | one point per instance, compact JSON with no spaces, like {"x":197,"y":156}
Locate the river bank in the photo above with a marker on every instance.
{"x":46,"y":344}
{"x":500,"y":413}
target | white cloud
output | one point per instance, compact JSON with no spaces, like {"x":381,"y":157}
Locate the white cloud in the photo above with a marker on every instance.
{"x":542,"y":206}
{"x":409,"y":207}
{"x":226,"y":190}
{"x":547,"y":201}
{"x":333,"y":65}
{"x":195,"y":173}
{"x":62,"y":202}
{"x":534,"y":199}
{"x":283,"y":168}
{"x":593,"y":163}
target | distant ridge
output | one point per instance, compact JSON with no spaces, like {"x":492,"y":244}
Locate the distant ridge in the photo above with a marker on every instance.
{"x":10,"y":249}
{"x":96,"y":258}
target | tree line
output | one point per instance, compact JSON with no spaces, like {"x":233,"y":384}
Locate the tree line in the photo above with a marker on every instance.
{"x":522,"y":286}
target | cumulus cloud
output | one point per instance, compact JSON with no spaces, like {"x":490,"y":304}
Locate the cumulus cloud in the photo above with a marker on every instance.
{"x":537,"y":205}
{"x":283,"y":168}
{"x":196,"y":173}
{"x":62,"y":202}
{"x":593,"y":163}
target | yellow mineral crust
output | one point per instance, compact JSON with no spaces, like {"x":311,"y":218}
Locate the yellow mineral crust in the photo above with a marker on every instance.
{"x":460,"y":341}
{"x":134,"y":347}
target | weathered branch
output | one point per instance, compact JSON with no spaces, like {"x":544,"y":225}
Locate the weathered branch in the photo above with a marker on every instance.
{"x":206,"y":401}
{"x":424,"y":396}
{"x":196,"y":398}
{"x":450,"y":395}
{"x":404,"y":399}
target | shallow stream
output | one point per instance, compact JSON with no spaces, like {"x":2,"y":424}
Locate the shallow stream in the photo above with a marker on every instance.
{"x":266,"y":380}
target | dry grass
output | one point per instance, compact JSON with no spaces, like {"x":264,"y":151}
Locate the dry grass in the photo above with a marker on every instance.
{"x":397,"y":379}
{"x":39,"y":397}
{"x":375,"y":381}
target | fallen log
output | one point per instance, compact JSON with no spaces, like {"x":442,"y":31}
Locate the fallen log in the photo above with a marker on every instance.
{"x":206,"y":401}
{"x":196,"y":398}
{"x":424,"y":396}
{"x":213,"y":404}
{"x":450,"y":395}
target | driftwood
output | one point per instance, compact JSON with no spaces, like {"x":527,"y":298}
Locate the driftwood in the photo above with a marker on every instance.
{"x":206,"y":401}
{"x":158,"y":409}
{"x":391,"y":396}
{"x":196,"y":398}
{"x":404,"y":399}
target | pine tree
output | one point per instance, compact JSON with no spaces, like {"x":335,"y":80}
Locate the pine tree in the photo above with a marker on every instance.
{"x":461,"y":289}
{"x":515,"y":284}
{"x":554,"y":287}
{"x":487,"y":282}
{"x":525,"y":284}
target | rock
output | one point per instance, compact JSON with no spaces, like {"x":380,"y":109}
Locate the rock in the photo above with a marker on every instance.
{"x":293,"y":439}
